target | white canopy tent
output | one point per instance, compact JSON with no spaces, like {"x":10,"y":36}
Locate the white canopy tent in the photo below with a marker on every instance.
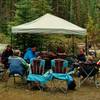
{"x":49,"y":24}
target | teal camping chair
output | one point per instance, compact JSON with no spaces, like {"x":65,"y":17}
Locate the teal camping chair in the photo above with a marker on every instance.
{"x":36,"y":74}
{"x":61,"y":78}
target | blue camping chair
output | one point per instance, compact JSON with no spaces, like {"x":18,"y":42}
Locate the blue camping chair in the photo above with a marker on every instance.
{"x":36,"y":73}
{"x":59,"y":72}
{"x":16,"y":69}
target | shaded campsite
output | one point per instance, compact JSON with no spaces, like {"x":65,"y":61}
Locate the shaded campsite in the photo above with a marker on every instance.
{"x":49,"y":49}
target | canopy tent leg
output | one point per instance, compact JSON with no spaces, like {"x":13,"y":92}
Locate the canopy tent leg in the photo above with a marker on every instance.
{"x":73,"y":45}
{"x":11,"y":41}
{"x":86,"y":45}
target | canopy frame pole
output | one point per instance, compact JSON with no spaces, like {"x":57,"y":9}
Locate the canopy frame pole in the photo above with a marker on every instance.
{"x":73,"y":45}
{"x":11,"y":39}
{"x":86,"y":45}
{"x":24,"y":38}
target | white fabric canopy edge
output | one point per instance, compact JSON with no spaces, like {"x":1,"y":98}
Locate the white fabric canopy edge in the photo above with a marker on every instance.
{"x":44,"y":25}
{"x":48,"y":31}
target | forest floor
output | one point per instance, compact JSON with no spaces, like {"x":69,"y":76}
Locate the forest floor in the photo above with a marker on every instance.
{"x":87,"y":91}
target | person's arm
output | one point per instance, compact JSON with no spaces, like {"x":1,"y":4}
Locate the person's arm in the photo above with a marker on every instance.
{"x":98,"y":63}
{"x":24,"y":63}
{"x":25,"y":56}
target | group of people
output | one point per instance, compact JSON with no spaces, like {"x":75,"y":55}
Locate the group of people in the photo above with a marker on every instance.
{"x":21,"y":65}
{"x":29,"y":54}
{"x":83,"y":58}
{"x":14,"y":62}
{"x":90,"y":64}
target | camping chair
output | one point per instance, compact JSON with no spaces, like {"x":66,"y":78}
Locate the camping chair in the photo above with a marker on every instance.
{"x":59,"y":68}
{"x":2,"y":70}
{"x":15,"y":71}
{"x":97,"y":83}
{"x":87,"y":71}
{"x":36,"y":72}
{"x":1,"y":73}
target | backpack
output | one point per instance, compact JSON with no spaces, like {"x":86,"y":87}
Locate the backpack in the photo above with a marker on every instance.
{"x":72,"y":85}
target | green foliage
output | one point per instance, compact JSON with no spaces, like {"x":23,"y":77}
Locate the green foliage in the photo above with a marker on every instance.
{"x":28,"y":10}
{"x":41,"y":7}
{"x":4,"y":38}
{"x":24,"y":11}
{"x":3,"y":27}
{"x":92,"y":33}
{"x":43,"y":42}
{"x":15,"y":12}
{"x":90,"y":26}
{"x":76,"y":11}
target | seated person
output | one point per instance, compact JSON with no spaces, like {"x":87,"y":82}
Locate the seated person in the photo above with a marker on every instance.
{"x":60,"y":49}
{"x":88,"y":67}
{"x":43,"y":54}
{"x":90,"y":59}
{"x":61,"y":52}
{"x":17,"y":65}
{"x":4,"y":56}
{"x":81,"y":56}
{"x":52,"y":54}
{"x":30,"y":53}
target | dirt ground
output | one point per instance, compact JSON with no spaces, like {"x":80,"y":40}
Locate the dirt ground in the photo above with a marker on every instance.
{"x":87,"y":91}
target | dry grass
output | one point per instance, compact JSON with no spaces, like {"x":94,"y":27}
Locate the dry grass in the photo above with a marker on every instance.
{"x":86,"y":92}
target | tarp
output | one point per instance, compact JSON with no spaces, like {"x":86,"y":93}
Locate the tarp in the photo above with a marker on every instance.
{"x":49,"y":23}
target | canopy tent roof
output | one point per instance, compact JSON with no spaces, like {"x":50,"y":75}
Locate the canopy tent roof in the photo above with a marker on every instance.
{"x":49,"y":24}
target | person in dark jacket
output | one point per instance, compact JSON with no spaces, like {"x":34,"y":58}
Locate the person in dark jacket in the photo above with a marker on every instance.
{"x":81,"y":56}
{"x":4,"y":57}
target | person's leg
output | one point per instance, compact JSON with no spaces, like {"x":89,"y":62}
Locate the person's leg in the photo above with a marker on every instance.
{"x":71,"y":68}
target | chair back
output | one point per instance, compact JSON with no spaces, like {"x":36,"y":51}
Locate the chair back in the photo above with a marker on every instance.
{"x":59,"y":65}
{"x":87,"y":69}
{"x":37,"y":66}
{"x":16,"y":66}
